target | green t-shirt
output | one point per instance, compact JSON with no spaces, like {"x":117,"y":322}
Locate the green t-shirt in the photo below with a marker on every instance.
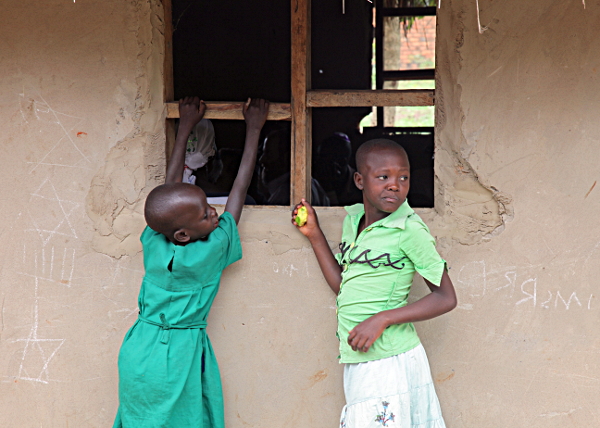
{"x":377,"y":272}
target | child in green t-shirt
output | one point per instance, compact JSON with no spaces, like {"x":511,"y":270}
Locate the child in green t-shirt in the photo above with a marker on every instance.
{"x":387,"y":380}
{"x":168,"y":373}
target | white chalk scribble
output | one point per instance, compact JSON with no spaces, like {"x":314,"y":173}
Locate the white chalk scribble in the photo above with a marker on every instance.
{"x":65,"y":152}
{"x":38,"y":352}
{"x":53,"y":216}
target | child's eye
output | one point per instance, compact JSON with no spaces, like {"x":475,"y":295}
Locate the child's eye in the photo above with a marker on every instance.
{"x":404,"y":178}
{"x":383,"y":177}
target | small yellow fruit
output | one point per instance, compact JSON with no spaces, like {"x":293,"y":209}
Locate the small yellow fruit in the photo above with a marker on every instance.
{"x":302,"y":216}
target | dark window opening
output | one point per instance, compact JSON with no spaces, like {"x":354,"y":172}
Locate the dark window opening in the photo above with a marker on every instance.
{"x":231,"y":50}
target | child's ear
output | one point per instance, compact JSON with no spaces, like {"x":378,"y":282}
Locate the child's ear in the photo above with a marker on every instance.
{"x":358,"y":180}
{"x":181,"y":236}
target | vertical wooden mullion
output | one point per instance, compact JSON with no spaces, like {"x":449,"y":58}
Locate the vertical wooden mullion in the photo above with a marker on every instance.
{"x":300,"y":178}
{"x":169,"y":86}
{"x":379,"y":56}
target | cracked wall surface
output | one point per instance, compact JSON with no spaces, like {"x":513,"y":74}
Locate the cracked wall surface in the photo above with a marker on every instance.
{"x":133,"y":167}
{"x":515,"y":218}
{"x":471,"y":206}
{"x":81,"y":105}
{"x":516,"y":212}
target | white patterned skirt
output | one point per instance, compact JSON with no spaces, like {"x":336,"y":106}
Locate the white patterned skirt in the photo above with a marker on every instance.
{"x":394,"y":392}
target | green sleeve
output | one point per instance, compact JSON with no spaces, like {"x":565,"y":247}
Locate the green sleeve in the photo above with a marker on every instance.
{"x":419,"y":246}
{"x":233,"y":246}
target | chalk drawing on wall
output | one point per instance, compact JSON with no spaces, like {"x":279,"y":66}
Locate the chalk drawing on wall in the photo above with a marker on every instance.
{"x":50,"y":214}
{"x":57,"y":264}
{"x":518,"y":286}
{"x":38,"y":352}
{"x":290,"y":269}
{"x":56,"y":128}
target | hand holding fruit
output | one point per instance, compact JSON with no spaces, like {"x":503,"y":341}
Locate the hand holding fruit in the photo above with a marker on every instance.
{"x":304,"y":218}
{"x":301,"y":216}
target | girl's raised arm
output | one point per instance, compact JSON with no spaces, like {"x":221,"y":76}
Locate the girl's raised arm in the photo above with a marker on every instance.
{"x":191,"y":111}
{"x":255,"y":112}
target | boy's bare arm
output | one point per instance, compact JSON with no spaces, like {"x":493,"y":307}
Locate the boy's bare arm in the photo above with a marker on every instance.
{"x":442,"y":299}
{"x":255,"y":113}
{"x":332,"y":271}
{"x":191,"y":111}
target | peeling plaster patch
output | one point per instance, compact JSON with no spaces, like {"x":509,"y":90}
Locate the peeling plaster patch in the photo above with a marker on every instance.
{"x":125,"y":95}
{"x":136,"y":163}
{"x":471,"y":209}
{"x":114,"y":201}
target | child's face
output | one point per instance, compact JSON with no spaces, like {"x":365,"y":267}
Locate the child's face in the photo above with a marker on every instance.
{"x":199,"y":218}
{"x":385,"y":180}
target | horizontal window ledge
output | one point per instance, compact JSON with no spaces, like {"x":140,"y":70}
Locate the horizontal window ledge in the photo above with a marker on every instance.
{"x":398,"y":130}
{"x":233,"y":111}
{"x":422,"y":74}
{"x":321,"y":98}
{"x":371,"y":98}
{"x":410,"y":11}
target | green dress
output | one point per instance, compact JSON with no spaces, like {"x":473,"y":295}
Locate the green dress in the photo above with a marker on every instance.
{"x":168,"y":373}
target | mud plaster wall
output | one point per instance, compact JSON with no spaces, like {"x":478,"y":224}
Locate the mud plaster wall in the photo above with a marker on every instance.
{"x":517,"y":151}
{"x":82,"y":131}
{"x":81,"y":103}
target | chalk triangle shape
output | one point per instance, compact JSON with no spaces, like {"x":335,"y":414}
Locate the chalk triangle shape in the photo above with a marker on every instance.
{"x":58,"y":132}
{"x":50,"y":210}
{"x":50,"y":214}
{"x":64,"y":153}
{"x":62,"y":228}
{"x":37,"y":356}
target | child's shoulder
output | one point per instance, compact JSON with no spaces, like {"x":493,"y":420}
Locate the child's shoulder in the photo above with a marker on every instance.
{"x":414,"y":220}
{"x":227,"y":229}
{"x":353,"y":215}
{"x":353,"y":211}
{"x":227,"y":217}
{"x":148,"y":234}
{"x":416,"y":231}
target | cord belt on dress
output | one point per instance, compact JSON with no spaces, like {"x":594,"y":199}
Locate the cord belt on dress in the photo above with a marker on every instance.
{"x":164,"y":324}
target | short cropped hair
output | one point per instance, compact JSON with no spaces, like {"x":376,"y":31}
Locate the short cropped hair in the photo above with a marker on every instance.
{"x":373,"y":145}
{"x":160,"y":204}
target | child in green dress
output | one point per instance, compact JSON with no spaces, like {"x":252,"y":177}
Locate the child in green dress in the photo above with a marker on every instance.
{"x":168,"y":373}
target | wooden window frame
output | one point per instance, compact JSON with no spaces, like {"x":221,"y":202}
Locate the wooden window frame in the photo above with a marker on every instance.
{"x":382,"y":75}
{"x":303,"y":99}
